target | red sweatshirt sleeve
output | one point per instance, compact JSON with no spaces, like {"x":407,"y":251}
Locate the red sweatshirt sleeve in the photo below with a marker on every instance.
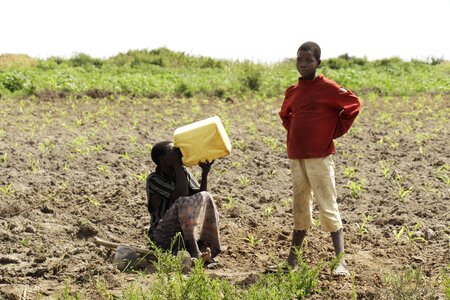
{"x":350,"y":106}
{"x":286,"y":110}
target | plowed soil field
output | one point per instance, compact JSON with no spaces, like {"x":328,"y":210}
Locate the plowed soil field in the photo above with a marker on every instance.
{"x":72,"y":168}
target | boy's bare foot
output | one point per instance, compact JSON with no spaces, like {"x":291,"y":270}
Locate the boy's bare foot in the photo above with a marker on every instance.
{"x":206,"y":255}
{"x":341,"y":270}
{"x":292,"y":260}
{"x":284,"y":268}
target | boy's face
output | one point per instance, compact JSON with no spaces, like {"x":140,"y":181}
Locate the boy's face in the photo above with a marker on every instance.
{"x":166,"y":159}
{"x":306,"y":63}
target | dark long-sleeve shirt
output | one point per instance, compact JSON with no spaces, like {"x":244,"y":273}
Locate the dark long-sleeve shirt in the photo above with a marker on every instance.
{"x":158,"y":185}
{"x":314,"y":112}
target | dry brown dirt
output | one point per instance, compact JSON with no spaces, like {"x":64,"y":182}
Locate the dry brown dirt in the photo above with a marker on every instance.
{"x":72,"y":169}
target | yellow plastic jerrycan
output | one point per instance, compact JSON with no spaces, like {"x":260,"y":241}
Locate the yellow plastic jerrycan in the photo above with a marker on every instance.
{"x":202,"y":140}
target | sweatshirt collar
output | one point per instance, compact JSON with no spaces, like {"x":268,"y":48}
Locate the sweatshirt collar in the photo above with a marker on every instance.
{"x":317,"y":79}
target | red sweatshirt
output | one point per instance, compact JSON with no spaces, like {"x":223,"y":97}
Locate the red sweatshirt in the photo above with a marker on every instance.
{"x":314,"y":112}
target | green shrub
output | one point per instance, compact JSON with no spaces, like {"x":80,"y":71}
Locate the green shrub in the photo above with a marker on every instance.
{"x":14,"y":82}
{"x":83,"y":60}
{"x":183,"y":90}
{"x":163,"y":72}
{"x":251,"y":77}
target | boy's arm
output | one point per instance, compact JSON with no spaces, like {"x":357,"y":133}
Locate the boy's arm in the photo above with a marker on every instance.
{"x":181,"y":185}
{"x":285,"y":111}
{"x":153,"y":203}
{"x":206,"y":167}
{"x":349,"y":105}
{"x":285,"y":119}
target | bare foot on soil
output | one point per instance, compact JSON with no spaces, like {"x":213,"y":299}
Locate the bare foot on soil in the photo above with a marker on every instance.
{"x":206,"y":256}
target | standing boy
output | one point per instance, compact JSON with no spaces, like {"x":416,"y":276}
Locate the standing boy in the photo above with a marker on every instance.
{"x":315,"y":111}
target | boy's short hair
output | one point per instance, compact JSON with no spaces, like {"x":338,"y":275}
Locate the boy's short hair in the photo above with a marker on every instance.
{"x":311,"y":46}
{"x":160,"y":149}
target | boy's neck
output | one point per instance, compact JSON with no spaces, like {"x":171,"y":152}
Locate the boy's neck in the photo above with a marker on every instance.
{"x":310,"y":77}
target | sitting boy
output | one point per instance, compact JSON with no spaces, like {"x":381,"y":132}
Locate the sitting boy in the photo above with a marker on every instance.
{"x":177,"y":203}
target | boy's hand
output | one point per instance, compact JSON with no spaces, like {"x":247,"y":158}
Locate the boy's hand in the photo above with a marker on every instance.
{"x":206,"y":166}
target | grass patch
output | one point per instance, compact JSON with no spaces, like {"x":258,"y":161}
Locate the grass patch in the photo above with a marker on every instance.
{"x":408,"y":284}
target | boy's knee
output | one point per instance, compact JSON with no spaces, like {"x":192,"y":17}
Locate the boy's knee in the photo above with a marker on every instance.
{"x":206,"y":194}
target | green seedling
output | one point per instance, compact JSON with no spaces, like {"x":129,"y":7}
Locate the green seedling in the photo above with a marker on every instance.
{"x":101,"y":286}
{"x":423,"y":137}
{"x":64,"y":185}
{"x":133,"y":139}
{"x":421,"y":151}
{"x":385,"y":168}
{"x":3,"y":157}
{"x":271,"y":173}
{"x":47,"y":146}
{"x":268,"y":211}
{"x":25,"y":241}
{"x":141,"y":176}
{"x":399,"y":234}
{"x":411,"y":235}
{"x":103,"y":169}
{"x":271,"y":142}
{"x":397,"y":177}
{"x":317,"y":223}
{"x":98,"y":148}
{"x":92,"y":200}
{"x":394,"y":145}
{"x":362,"y":227}
{"x":287,"y":202}
{"x":79,"y":145}
{"x":252,"y":241}
{"x":443,"y":173}
{"x":355,"y":187}
{"x":251,"y":128}
{"x":77,"y":122}
{"x":402,"y":192}
{"x":7,"y":190}
{"x":125,"y":156}
{"x":104,"y":124}
{"x":236,"y":164}
{"x":148,"y":148}
{"x":240,"y":145}
{"x":231,"y":202}
{"x":354,"y":130}
{"x":34,"y":163}
{"x":243,"y":180}
{"x":349,"y":172}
